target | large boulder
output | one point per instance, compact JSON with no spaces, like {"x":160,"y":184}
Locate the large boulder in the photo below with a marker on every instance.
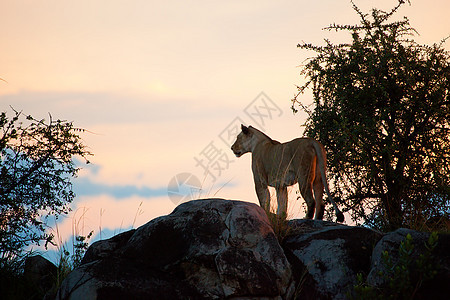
{"x":326,"y":257}
{"x":205,"y":249}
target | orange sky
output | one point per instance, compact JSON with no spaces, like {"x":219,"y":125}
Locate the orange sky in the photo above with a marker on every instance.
{"x":159,"y":81}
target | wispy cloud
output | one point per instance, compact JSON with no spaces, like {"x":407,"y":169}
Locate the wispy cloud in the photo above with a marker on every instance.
{"x":86,"y":187}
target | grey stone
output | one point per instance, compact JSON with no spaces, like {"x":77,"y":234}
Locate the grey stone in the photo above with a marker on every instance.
{"x":327,"y":256}
{"x":205,"y":249}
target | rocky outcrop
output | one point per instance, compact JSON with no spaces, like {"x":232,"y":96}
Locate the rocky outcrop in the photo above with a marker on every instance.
{"x":327,"y":257}
{"x":223,"y":249}
{"x":205,"y":249}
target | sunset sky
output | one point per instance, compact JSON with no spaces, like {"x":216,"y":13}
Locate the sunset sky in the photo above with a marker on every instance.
{"x":160,"y":86}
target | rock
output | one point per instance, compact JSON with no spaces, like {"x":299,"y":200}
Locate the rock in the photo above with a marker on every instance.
{"x":40,"y":274}
{"x":327,"y":256}
{"x":104,"y":248}
{"x":205,"y":249}
{"x":390,"y":243}
{"x":438,"y":287}
{"x":223,"y":249}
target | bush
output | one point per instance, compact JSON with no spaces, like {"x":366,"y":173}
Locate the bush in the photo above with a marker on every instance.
{"x":404,"y":278}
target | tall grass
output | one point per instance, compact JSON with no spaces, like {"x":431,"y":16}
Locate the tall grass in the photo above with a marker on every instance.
{"x":280,"y":224}
{"x":71,"y":253}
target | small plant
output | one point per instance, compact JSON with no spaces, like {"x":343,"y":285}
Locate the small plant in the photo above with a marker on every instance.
{"x":80,"y":246}
{"x":279,"y":223}
{"x":67,"y":261}
{"x":403,"y":278}
{"x":364,"y":291}
{"x":71,"y":252}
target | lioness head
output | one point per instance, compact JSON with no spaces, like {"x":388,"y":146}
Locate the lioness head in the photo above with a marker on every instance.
{"x":243,"y":142}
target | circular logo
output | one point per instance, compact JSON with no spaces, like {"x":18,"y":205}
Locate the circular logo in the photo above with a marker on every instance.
{"x":183,"y":187}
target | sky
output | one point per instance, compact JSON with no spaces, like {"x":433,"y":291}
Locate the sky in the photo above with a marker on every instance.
{"x":161,"y":86}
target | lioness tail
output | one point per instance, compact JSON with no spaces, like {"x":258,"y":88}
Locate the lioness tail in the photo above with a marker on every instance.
{"x":321,"y":158}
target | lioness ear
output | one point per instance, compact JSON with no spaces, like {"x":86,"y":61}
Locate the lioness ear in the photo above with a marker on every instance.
{"x":244,"y":129}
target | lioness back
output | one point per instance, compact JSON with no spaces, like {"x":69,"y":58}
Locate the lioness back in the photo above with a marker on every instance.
{"x":286,"y":162}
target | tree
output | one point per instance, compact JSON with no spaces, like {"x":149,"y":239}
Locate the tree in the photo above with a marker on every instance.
{"x":36,"y":165}
{"x":382,"y":108}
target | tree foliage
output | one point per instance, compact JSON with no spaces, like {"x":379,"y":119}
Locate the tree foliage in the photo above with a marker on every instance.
{"x":36,"y":165}
{"x":382,"y":108}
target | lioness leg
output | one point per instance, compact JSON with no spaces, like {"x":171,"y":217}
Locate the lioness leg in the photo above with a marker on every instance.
{"x":305,"y":182}
{"x":263,"y":195}
{"x":318,"y":196}
{"x":306,"y":191}
{"x":282,"y":199}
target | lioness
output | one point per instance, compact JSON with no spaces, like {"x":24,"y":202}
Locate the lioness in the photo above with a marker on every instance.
{"x":280,"y":165}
